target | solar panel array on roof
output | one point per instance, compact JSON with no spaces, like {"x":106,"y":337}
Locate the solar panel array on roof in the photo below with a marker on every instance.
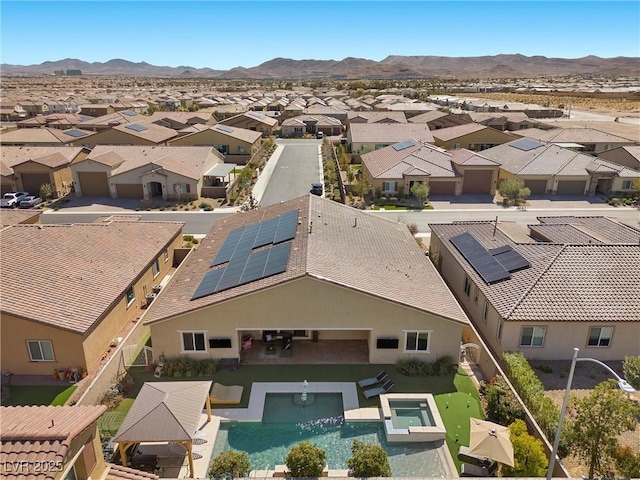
{"x":136,"y":127}
{"x":402,"y":145}
{"x":511,"y":260}
{"x":75,"y":133}
{"x":224,"y":128}
{"x":526,"y":144}
{"x":257,"y":115}
{"x":128,"y":113}
{"x":479,"y":258}
{"x":244,"y":264}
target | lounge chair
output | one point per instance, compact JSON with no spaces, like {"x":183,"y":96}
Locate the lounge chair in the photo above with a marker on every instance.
{"x":374,"y":392}
{"x":229,"y":394}
{"x":367,"y":382}
{"x":466,"y":457}
{"x":469,"y":470}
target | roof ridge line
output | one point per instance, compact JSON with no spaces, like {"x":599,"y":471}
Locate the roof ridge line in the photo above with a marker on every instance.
{"x":537,"y":280}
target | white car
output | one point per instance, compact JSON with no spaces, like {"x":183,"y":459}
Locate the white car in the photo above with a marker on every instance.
{"x":12,"y":199}
{"x":30,"y":201}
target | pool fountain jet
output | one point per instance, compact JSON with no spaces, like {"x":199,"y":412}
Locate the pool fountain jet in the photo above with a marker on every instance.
{"x":303,"y":397}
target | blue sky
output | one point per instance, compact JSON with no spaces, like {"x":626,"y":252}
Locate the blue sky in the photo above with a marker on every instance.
{"x":226,"y":34}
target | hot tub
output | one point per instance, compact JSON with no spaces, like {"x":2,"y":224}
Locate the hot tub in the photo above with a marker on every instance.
{"x":412,"y":417}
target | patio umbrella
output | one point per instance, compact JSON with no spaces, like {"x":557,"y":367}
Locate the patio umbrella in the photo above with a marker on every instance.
{"x":490,"y":440}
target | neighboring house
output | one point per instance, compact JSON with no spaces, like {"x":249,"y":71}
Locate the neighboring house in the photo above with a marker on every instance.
{"x":45,"y":137}
{"x":96,"y":109}
{"x":57,"y":443}
{"x":256,"y":121}
{"x":548,"y":168}
{"x":627,"y":156}
{"x":319,"y":109}
{"x":585,"y":140}
{"x":63,"y":121}
{"x":225,"y":111}
{"x":180,"y":120}
{"x":120,"y":171}
{"x":106,"y":122}
{"x":16,"y":216}
{"x":472,"y":136}
{"x":81,"y":286}
{"x":384,"y":291}
{"x":396,"y":168}
{"x":34,"y":166}
{"x":375,"y":117}
{"x":237,"y":145}
{"x":367,"y":137}
{"x":543,"y":298}
{"x":312,"y":124}
{"x":141,"y":133}
{"x":437,"y":119}
{"x":511,"y":121}
{"x":32,"y":108}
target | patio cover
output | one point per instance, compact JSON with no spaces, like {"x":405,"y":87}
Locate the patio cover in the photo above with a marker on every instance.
{"x":165,"y":412}
{"x":220,"y":170}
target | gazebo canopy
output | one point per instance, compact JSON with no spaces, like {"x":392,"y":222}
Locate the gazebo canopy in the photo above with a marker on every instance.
{"x":165,"y":412}
{"x":220,"y":170}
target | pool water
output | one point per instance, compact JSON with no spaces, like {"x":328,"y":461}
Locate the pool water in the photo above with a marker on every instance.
{"x":285,"y":423}
{"x":405,"y":414}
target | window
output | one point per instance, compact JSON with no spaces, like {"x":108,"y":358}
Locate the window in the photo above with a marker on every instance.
{"x":417,"y":341}
{"x":600,"y":336}
{"x":627,"y":185}
{"x":40,"y":350}
{"x":499,"y":331}
{"x":475,"y":295}
{"x":131,"y":296}
{"x":388,"y":186}
{"x":485,"y":307}
{"x":456,"y":146}
{"x":156,"y":268}
{"x":241,"y":148}
{"x":193,"y":342}
{"x":165,"y":254}
{"x":467,"y":286}
{"x":532,"y":336}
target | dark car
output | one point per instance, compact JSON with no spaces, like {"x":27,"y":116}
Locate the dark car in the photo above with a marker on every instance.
{"x":316,"y":189}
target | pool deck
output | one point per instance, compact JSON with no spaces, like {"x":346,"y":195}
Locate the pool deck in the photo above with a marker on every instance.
{"x":176,"y":466}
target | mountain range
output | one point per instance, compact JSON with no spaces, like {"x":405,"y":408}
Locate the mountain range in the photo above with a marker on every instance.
{"x":394,"y":66}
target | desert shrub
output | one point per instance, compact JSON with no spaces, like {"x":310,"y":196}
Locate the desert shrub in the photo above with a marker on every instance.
{"x":417,"y":368}
{"x":413,"y":228}
{"x":382,"y":200}
{"x":393,"y":199}
{"x":306,"y":460}
{"x":230,"y":464}
{"x":368,"y":460}
{"x":187,"y":238}
{"x":503,"y":406}
{"x":627,"y":463}
{"x":545,"y":368}
{"x":631,"y":370}
{"x":188,"y":367}
{"x":529,"y":457}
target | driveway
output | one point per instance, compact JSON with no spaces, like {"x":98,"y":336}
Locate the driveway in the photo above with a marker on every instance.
{"x":298,"y":166}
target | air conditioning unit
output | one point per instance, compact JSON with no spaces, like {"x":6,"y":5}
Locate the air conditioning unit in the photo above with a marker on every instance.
{"x":157,"y":288}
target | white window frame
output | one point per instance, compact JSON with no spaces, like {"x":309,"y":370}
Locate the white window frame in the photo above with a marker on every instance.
{"x":40,"y":342}
{"x":155,"y":268}
{"x":535,"y":329}
{"x":165,"y":254}
{"x":467,"y":286}
{"x":126,"y":294}
{"x":386,"y":185}
{"x":476,"y":293}
{"x":485,"y":309}
{"x":499,"y":330}
{"x":600,"y":337}
{"x":628,"y":183}
{"x":193,"y":334}
{"x":417,"y":332}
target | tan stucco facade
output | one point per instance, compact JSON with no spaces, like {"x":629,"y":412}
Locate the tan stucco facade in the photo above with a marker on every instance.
{"x":88,"y":462}
{"x":249,"y":123}
{"x":560,"y":337}
{"x":75,"y":349}
{"x":476,"y":141}
{"x":60,"y":178}
{"x":114,"y":137}
{"x":336,"y":312}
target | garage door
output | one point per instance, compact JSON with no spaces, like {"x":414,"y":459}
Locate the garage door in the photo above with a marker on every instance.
{"x":94,"y":184}
{"x":6,"y":187}
{"x":32,"y":182}
{"x":129,"y":190}
{"x":536,"y":186}
{"x":442,"y":188}
{"x":477,"y":181}
{"x":571,"y":187}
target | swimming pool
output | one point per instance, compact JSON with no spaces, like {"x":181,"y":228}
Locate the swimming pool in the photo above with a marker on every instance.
{"x":320,"y":420}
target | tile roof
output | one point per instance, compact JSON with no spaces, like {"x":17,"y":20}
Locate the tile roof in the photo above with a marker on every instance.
{"x":71,"y":274}
{"x":16,"y":216}
{"x":598,"y":229}
{"x":417,"y":159}
{"x":50,"y":156}
{"x":564,"y":283}
{"x":450,"y":133}
{"x":389,"y":264}
{"x":389,"y":132}
{"x":118,"y":472}
{"x":34,"y":136}
{"x":41,"y":434}
{"x":375,"y":117}
{"x":249,"y":136}
{"x":468,"y":158}
{"x":152,"y":132}
{"x":112,"y":119}
{"x":572,"y":135}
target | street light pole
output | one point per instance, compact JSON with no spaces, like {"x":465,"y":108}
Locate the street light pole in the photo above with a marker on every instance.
{"x":622,"y":384}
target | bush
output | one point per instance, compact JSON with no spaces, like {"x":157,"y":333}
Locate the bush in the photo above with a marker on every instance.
{"x":627,"y":463}
{"x":306,"y":460}
{"x":528,"y":453}
{"x":368,"y":460}
{"x":503,"y":406}
{"x":417,"y":368}
{"x":413,"y":228}
{"x":187,"y":238}
{"x":187,"y":367}
{"x":545,"y":368}
{"x":230,"y":464}
{"x":631,"y":371}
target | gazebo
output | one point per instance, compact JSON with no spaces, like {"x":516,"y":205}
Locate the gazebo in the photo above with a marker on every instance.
{"x":165,"y":412}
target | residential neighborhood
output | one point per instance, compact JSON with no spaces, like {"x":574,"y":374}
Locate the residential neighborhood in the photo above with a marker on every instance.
{"x":209,"y":263}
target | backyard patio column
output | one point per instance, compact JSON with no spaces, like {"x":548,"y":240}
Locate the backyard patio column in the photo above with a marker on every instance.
{"x":208,"y":407}
{"x":189,"y":445}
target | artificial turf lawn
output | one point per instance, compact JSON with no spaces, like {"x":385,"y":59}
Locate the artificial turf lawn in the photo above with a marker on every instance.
{"x":39,"y":395}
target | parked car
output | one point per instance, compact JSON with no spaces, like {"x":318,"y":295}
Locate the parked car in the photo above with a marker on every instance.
{"x":30,"y":201}
{"x":316,"y":189}
{"x":12,"y":199}
{"x":320,"y":135}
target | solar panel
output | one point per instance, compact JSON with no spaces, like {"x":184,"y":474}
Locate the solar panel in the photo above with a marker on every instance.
{"x":267,"y":232}
{"x":128,"y":113}
{"x":74,"y":133}
{"x":208,"y":283}
{"x":526,"y":144}
{"x":402,"y":145}
{"x":224,"y":128}
{"x":479,"y":258}
{"x":228,"y":247}
{"x":509,"y":258}
{"x":278,"y":259}
{"x":248,"y":239}
{"x":254,"y":268}
{"x":232,"y":274}
{"x":136,"y":126}
{"x":286,"y":227}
